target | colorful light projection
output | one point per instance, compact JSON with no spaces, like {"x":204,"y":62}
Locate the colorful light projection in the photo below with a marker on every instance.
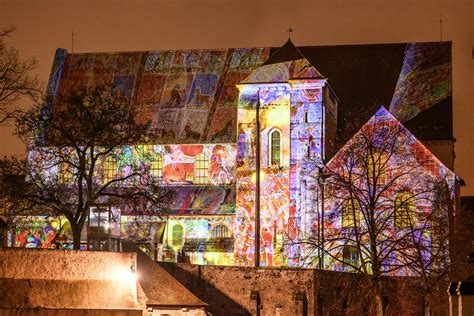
{"x":203,"y":240}
{"x":181,"y":164}
{"x":274,"y":174}
{"x":407,"y":195}
{"x":41,"y":232}
{"x":291,"y":116}
{"x":189,"y":94}
{"x":307,"y":125}
{"x":174,"y":164}
{"x":425,"y":79}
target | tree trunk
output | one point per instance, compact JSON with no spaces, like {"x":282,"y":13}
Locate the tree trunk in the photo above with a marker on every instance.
{"x":76,"y":236}
{"x":378,"y":304}
{"x":426,"y":305}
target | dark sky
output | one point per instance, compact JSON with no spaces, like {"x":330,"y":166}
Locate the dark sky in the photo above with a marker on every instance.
{"x":114,"y":25}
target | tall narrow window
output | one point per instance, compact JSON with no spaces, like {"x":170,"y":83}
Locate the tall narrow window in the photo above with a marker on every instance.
{"x":220,"y":231}
{"x":404,"y":208}
{"x":377,"y":165}
{"x":201,"y":169}
{"x":110,"y":169}
{"x":351,"y":214}
{"x":156,"y":167}
{"x":177,"y":235}
{"x":306,"y":116}
{"x":275,"y":149}
{"x":65,"y":173}
{"x":350,"y":256}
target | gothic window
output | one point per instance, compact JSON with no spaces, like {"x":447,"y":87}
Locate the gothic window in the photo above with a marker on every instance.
{"x":177,"y":235}
{"x":403,"y":209}
{"x":350,"y":214}
{"x":110,"y":169}
{"x":275,"y":148}
{"x":156,"y":167}
{"x":201,"y":169}
{"x":376,"y":167}
{"x":220,"y":231}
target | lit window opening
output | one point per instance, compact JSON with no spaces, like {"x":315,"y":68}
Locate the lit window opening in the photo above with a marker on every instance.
{"x":201,"y":169}
{"x":351,"y":214}
{"x":110,"y":169}
{"x":220,"y":231}
{"x":156,"y":167}
{"x":350,"y":256}
{"x":404,"y":209}
{"x":275,"y":149}
{"x":177,"y":235}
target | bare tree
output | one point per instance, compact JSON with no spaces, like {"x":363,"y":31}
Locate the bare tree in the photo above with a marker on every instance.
{"x":82,"y":154}
{"x":382,"y":213}
{"x":16,"y":80}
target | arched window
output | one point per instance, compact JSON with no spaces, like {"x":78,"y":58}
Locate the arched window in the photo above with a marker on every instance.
{"x":377,"y":165}
{"x":275,"y":148}
{"x":110,"y":169}
{"x":220,"y":231}
{"x":177,"y":235}
{"x":404,"y":207}
{"x":201,"y":169}
{"x":156,"y":166}
{"x":65,"y":173}
{"x":350,"y":214}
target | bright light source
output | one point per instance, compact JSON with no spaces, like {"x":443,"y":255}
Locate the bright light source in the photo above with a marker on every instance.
{"x":126,"y":275}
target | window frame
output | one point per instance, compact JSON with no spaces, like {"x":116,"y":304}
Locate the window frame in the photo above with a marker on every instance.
{"x":403,"y":213}
{"x":201,"y":169}
{"x":224,"y":231}
{"x":348,"y":213}
{"x":274,"y":157}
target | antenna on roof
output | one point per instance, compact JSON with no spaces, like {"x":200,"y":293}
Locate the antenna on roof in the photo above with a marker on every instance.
{"x":290,"y":30}
{"x":72,"y":41}
{"x":441,"y":26}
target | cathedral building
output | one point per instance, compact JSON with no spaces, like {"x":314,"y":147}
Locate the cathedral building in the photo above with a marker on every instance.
{"x":243,"y":136}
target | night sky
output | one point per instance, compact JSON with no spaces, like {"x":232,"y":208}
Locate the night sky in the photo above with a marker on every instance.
{"x":113,"y":25}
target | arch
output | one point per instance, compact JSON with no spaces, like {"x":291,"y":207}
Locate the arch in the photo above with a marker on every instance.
{"x":220,"y":231}
{"x":177,"y":235}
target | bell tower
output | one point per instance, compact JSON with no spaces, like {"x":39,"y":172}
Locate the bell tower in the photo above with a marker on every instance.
{"x":280,"y":145}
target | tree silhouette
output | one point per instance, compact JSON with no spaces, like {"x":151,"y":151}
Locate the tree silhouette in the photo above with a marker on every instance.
{"x":76,"y":158}
{"x":384,"y":212}
{"x":16,"y":80}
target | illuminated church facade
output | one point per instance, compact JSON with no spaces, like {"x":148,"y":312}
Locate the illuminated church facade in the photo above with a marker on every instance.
{"x":221,"y":115}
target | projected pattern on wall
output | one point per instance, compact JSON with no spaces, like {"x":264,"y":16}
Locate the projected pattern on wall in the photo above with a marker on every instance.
{"x":205,"y":137}
{"x":291,"y":118}
{"x":189,"y":94}
{"x":408,"y":171}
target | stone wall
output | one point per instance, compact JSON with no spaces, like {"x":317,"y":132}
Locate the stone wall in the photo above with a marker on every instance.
{"x":233,"y":291}
{"x":54,"y":279}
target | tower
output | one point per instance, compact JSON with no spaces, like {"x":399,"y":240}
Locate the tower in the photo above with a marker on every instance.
{"x":281,"y":136}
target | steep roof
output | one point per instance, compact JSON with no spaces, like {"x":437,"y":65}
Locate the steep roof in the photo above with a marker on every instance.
{"x":192,"y":97}
{"x":161,"y":289}
{"x":284,"y":64}
{"x":383,"y":116}
{"x":367,"y":76}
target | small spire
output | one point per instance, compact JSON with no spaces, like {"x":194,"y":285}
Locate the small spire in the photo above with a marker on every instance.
{"x":290,"y":30}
